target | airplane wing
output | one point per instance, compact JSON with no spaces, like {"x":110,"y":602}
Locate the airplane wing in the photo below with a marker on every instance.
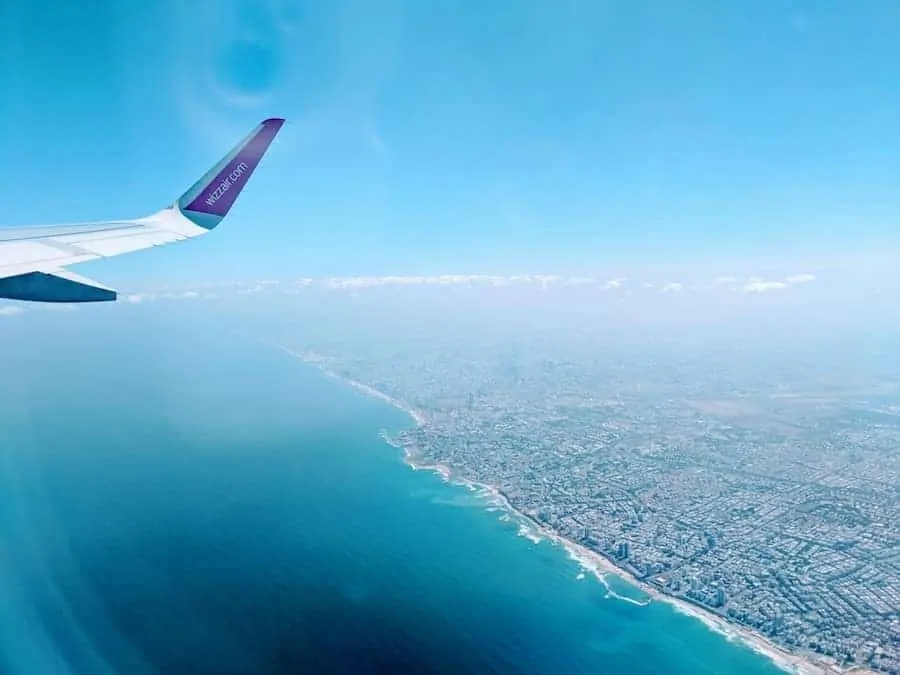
{"x":33,"y":260}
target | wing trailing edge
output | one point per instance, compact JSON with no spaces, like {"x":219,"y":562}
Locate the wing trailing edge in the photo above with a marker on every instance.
{"x":61,"y":286}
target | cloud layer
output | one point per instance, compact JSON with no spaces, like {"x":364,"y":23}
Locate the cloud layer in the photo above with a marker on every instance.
{"x":757,"y":285}
{"x":616,"y":285}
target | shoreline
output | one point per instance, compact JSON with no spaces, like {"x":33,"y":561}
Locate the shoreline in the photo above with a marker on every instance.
{"x":589,"y":560}
{"x":599,"y":566}
{"x":418,"y":416}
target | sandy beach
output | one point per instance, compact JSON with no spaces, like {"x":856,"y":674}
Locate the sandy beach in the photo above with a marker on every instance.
{"x":590,"y":561}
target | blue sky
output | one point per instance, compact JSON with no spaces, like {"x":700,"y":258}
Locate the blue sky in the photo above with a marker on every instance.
{"x":445,"y":137}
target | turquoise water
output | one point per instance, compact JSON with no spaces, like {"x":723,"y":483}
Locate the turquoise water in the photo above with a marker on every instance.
{"x":178,"y":500}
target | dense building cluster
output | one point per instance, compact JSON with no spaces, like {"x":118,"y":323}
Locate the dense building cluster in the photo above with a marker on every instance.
{"x":771,"y":501}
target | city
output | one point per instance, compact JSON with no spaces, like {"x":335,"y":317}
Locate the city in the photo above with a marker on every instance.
{"x":769,"y":501}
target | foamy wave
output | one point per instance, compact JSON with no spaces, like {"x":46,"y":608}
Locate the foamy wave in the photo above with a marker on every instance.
{"x":440,"y":469}
{"x":528,"y":532}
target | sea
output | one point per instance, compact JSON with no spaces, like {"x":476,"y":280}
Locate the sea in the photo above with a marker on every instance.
{"x":179,"y":497}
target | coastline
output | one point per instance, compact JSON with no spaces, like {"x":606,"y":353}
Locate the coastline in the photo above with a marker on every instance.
{"x":589,"y":560}
{"x":311,"y":358}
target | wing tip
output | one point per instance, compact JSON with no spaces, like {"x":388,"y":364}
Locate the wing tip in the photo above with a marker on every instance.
{"x":210,"y":199}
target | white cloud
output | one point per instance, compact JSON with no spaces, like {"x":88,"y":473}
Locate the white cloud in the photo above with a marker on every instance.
{"x":762,"y":286}
{"x":357,"y":282}
{"x":10,"y":310}
{"x":800,"y":278}
{"x":757,"y":285}
{"x":673,"y":287}
{"x":614,"y":283}
{"x":140,"y":298}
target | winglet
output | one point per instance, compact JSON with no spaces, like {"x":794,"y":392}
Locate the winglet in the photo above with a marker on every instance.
{"x":211,"y":197}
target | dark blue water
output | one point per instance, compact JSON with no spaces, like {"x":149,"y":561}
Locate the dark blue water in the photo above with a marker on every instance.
{"x":181,"y":500}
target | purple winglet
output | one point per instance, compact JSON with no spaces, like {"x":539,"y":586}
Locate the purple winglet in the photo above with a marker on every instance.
{"x":219,"y":193}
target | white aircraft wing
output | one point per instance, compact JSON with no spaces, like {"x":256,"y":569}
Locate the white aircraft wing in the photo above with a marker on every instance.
{"x":33,"y":260}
